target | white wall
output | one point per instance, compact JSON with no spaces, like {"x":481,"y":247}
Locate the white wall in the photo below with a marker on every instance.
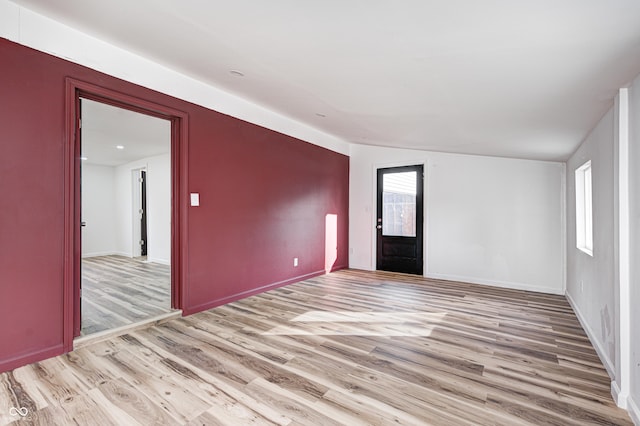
{"x":107,"y":207}
{"x":604,"y":290}
{"x":158,"y":207}
{"x":634,"y":237}
{"x":488,"y":220}
{"x":591,"y":279}
{"x":98,"y":198}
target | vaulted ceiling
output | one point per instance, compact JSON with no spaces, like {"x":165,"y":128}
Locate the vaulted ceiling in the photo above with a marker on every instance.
{"x":524,"y":79}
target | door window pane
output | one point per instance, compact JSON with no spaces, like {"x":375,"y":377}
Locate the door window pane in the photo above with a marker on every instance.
{"x":399,"y":204}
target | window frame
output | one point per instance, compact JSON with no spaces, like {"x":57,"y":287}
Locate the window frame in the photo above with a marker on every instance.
{"x":584,"y":208}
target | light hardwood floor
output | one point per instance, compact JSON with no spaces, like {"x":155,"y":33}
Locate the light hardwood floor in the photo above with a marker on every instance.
{"x":348,"y":348}
{"x":118,"y":291}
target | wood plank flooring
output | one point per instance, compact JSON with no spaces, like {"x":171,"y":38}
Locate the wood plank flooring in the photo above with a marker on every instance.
{"x":118,"y":291}
{"x":348,"y":348}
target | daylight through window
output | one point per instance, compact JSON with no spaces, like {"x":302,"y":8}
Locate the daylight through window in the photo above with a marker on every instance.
{"x":399,"y":204}
{"x":584,"y":222}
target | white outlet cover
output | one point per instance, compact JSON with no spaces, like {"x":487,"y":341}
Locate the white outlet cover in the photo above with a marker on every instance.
{"x":195,"y":199}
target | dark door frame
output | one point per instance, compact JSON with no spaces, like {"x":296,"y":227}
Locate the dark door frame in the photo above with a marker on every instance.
{"x":74,"y":90}
{"x":143,"y":218}
{"x":418,"y":266}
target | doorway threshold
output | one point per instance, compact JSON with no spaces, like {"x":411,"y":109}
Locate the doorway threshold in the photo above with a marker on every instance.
{"x":82,"y":341}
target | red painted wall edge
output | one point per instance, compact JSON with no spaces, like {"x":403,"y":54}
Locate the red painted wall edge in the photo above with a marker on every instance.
{"x":264,"y":199}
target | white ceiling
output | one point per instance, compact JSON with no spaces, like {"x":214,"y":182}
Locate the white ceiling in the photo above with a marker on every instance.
{"x":512,"y":78}
{"x":105,"y":127}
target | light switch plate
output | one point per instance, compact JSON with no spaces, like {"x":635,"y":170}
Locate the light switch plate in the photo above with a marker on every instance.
{"x":195,"y":199}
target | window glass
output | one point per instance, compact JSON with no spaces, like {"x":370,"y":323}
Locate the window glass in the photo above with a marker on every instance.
{"x":584,"y":212}
{"x":399,"y":204}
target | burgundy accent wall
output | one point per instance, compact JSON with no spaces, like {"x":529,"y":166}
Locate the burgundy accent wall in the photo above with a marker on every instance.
{"x":264,"y":199}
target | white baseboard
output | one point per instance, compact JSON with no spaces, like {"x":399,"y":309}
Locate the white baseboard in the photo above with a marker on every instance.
{"x":101,"y":253}
{"x":361,"y":267}
{"x":492,"y":283}
{"x":618,"y":397}
{"x":160,"y":261}
{"x":597,"y":345}
{"x":115,"y":253}
{"x":472,"y":280}
{"x":119,"y":253}
{"x":634,"y":411}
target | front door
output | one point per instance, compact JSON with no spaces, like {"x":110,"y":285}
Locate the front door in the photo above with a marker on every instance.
{"x":400,"y":219}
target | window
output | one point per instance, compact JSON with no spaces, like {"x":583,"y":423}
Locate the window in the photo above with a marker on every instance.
{"x":584,"y":223}
{"x":399,"y":204}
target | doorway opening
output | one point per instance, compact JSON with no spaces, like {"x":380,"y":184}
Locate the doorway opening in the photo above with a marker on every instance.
{"x":399,"y":225}
{"x":125,"y":215}
{"x":124,"y":279}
